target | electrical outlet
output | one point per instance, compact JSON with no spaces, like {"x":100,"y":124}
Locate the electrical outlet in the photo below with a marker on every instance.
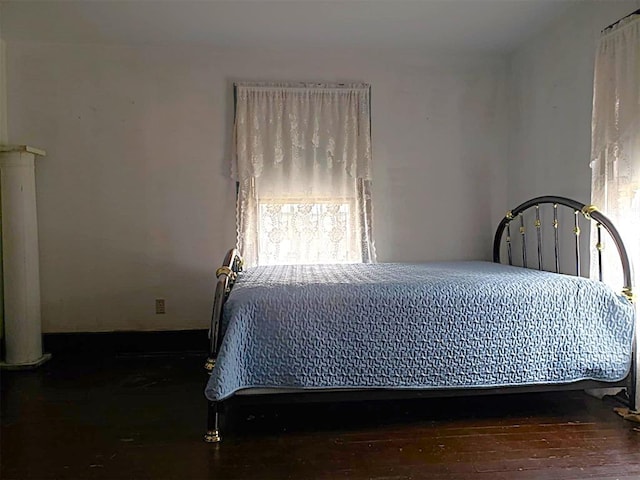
{"x":160,"y":305}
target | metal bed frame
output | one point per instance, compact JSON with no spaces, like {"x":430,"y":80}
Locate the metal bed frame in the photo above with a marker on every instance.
{"x":232,"y":266}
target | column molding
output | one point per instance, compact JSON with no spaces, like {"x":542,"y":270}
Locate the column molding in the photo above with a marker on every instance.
{"x":20,"y":257}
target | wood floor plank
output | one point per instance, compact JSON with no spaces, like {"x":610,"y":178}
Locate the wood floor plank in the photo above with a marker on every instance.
{"x":80,"y":418}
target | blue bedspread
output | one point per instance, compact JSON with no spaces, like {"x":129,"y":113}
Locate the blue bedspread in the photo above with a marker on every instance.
{"x":407,"y":326}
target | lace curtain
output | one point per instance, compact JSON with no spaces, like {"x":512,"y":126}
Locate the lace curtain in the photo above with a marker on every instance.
{"x":303,"y":169}
{"x":615,"y":149}
{"x":615,"y":146}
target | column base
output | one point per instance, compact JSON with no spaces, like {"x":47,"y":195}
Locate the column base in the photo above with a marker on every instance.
{"x":26,"y":366}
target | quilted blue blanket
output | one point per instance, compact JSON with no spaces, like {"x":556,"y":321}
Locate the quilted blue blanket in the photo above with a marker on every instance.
{"x":418,"y":326}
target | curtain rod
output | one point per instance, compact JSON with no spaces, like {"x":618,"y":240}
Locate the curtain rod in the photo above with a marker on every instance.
{"x":305,"y":85}
{"x":637,"y":12}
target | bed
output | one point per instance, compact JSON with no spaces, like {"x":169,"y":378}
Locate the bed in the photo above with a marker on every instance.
{"x":429,"y":329}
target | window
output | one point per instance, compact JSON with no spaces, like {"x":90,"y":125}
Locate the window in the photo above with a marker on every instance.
{"x":302,"y":163}
{"x":306,"y":230}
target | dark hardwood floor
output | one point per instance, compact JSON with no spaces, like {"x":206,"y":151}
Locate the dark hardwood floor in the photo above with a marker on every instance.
{"x":126,"y":416}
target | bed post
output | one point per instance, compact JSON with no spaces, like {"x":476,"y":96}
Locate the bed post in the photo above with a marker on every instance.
{"x":634,"y":393}
{"x":226,"y":276}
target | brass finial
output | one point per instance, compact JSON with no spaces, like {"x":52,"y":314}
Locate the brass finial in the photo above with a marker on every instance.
{"x":587,"y":210}
{"x":224,"y":271}
{"x":209,"y":364}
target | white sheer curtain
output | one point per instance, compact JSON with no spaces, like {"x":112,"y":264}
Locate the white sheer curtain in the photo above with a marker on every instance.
{"x":303,"y":167}
{"x":615,"y":146}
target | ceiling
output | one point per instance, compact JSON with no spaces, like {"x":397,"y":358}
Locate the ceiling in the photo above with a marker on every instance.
{"x":466,"y":26}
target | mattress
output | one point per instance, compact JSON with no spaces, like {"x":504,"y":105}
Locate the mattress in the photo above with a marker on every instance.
{"x":418,"y":326}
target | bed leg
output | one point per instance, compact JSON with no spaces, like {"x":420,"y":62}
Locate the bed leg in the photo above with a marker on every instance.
{"x":213,"y":434}
{"x":634,"y":392}
{"x":632,"y":389}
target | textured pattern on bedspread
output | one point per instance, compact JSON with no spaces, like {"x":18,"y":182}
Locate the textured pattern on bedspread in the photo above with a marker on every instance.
{"x":438,"y":325}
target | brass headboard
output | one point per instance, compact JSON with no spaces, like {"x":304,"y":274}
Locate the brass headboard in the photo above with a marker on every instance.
{"x":588,"y":212}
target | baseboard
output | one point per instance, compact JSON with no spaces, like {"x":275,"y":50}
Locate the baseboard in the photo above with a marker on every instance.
{"x":126,"y":343}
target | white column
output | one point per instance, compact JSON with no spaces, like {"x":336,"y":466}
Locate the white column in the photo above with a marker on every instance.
{"x":20,"y":269}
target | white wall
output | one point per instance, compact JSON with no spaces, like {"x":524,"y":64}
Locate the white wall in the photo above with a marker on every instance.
{"x":3,"y":96}
{"x":3,"y":140}
{"x":134,"y":198}
{"x":551,"y":79}
{"x":3,"y":93}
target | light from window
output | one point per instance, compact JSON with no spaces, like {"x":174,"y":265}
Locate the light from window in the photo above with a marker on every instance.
{"x":305,"y":231}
